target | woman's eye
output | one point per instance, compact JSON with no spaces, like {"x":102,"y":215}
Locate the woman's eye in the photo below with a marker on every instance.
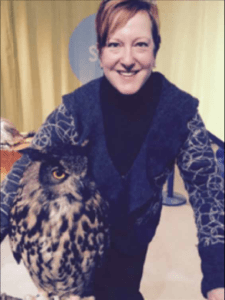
{"x":113,"y":45}
{"x":58,"y":174}
{"x":142,"y":44}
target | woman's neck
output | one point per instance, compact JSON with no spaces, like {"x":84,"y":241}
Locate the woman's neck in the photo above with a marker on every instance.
{"x":128,"y":103}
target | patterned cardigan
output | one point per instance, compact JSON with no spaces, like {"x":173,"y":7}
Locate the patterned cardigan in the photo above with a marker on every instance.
{"x":73,"y":122}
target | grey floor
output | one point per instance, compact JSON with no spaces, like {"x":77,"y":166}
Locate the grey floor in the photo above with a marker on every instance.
{"x":172,"y":269}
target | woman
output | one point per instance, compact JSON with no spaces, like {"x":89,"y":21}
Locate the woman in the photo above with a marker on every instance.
{"x":138,"y":125}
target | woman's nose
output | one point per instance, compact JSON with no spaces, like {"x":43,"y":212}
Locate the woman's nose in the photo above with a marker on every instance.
{"x":127,"y":58}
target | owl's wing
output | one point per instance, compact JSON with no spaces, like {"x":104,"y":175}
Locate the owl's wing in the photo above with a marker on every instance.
{"x":15,"y":240}
{"x":15,"y":235}
{"x":17,"y":257}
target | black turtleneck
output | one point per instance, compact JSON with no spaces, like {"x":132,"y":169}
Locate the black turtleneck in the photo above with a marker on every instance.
{"x":127,"y":119}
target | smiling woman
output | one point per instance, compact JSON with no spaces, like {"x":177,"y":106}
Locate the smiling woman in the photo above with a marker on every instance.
{"x":128,"y":57}
{"x":138,"y":125}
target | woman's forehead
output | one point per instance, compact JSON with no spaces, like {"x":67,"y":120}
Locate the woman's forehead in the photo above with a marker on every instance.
{"x":139,"y":23}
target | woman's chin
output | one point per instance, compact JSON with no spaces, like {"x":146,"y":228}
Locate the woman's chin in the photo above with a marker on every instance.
{"x":127,"y":90}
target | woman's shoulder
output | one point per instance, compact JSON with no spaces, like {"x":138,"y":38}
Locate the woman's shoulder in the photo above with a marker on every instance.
{"x":171,"y":89}
{"x":84,"y":96}
{"x":88,"y":89}
{"x":175,"y":106}
{"x":84,"y":103}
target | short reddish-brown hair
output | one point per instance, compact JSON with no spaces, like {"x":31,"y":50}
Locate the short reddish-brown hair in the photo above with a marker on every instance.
{"x":114,"y":14}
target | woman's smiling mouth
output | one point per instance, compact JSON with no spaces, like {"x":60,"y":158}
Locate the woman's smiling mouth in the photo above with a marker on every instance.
{"x":127,"y":74}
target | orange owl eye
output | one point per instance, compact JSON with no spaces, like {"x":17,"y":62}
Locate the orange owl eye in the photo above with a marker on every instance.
{"x":58,"y":174}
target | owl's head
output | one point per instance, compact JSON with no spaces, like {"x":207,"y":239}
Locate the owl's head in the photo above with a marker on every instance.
{"x":59,"y":162}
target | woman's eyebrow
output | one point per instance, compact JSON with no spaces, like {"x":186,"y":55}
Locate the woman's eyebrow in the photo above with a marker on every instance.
{"x":121,"y":40}
{"x":143,"y":37}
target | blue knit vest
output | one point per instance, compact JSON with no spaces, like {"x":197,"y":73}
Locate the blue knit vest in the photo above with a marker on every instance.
{"x":136,"y":198}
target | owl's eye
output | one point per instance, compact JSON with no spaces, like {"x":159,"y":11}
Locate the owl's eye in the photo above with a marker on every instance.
{"x":58,"y":174}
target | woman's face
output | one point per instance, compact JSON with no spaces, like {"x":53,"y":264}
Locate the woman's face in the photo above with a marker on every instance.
{"x":128,"y":57}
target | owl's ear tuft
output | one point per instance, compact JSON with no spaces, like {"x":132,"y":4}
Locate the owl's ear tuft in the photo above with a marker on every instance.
{"x":34,"y":154}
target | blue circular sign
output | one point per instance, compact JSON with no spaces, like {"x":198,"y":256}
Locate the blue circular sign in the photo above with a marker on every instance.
{"x":83,"y":54}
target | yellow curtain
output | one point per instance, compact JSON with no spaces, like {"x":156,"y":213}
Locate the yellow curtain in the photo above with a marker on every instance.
{"x":192,"y":54}
{"x":35,"y":69}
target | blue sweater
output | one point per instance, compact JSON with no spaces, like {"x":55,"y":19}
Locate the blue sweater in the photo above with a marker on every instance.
{"x":177,"y":134}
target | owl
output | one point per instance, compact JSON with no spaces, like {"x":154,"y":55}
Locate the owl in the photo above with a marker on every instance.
{"x":59,"y":222}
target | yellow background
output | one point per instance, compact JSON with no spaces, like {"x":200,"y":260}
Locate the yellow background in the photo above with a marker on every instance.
{"x":35,"y":69}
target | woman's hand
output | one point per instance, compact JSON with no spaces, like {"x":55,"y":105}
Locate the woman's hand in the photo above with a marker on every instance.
{"x":217,"y":294}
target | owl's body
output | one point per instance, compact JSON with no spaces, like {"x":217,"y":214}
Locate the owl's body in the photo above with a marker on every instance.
{"x":58,"y":225}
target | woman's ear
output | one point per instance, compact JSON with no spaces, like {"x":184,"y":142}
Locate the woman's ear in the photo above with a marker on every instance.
{"x":99,"y":55}
{"x":98,"y":49}
{"x":154,"y":64}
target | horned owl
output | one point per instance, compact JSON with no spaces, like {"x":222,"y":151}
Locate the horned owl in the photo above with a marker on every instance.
{"x":58,"y":222}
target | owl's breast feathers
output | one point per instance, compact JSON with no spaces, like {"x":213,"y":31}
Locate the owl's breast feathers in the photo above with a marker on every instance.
{"x":62,"y":239}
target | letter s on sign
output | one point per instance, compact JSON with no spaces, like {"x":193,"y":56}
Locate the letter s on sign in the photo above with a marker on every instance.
{"x":93,"y":51}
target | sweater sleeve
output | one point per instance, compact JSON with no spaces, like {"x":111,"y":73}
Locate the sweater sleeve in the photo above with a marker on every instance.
{"x":58,"y":128}
{"x":205,"y":185}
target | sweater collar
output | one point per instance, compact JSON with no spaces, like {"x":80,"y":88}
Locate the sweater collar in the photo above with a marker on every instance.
{"x":131,"y":104}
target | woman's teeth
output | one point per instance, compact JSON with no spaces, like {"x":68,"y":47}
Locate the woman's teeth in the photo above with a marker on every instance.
{"x":127,"y":74}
